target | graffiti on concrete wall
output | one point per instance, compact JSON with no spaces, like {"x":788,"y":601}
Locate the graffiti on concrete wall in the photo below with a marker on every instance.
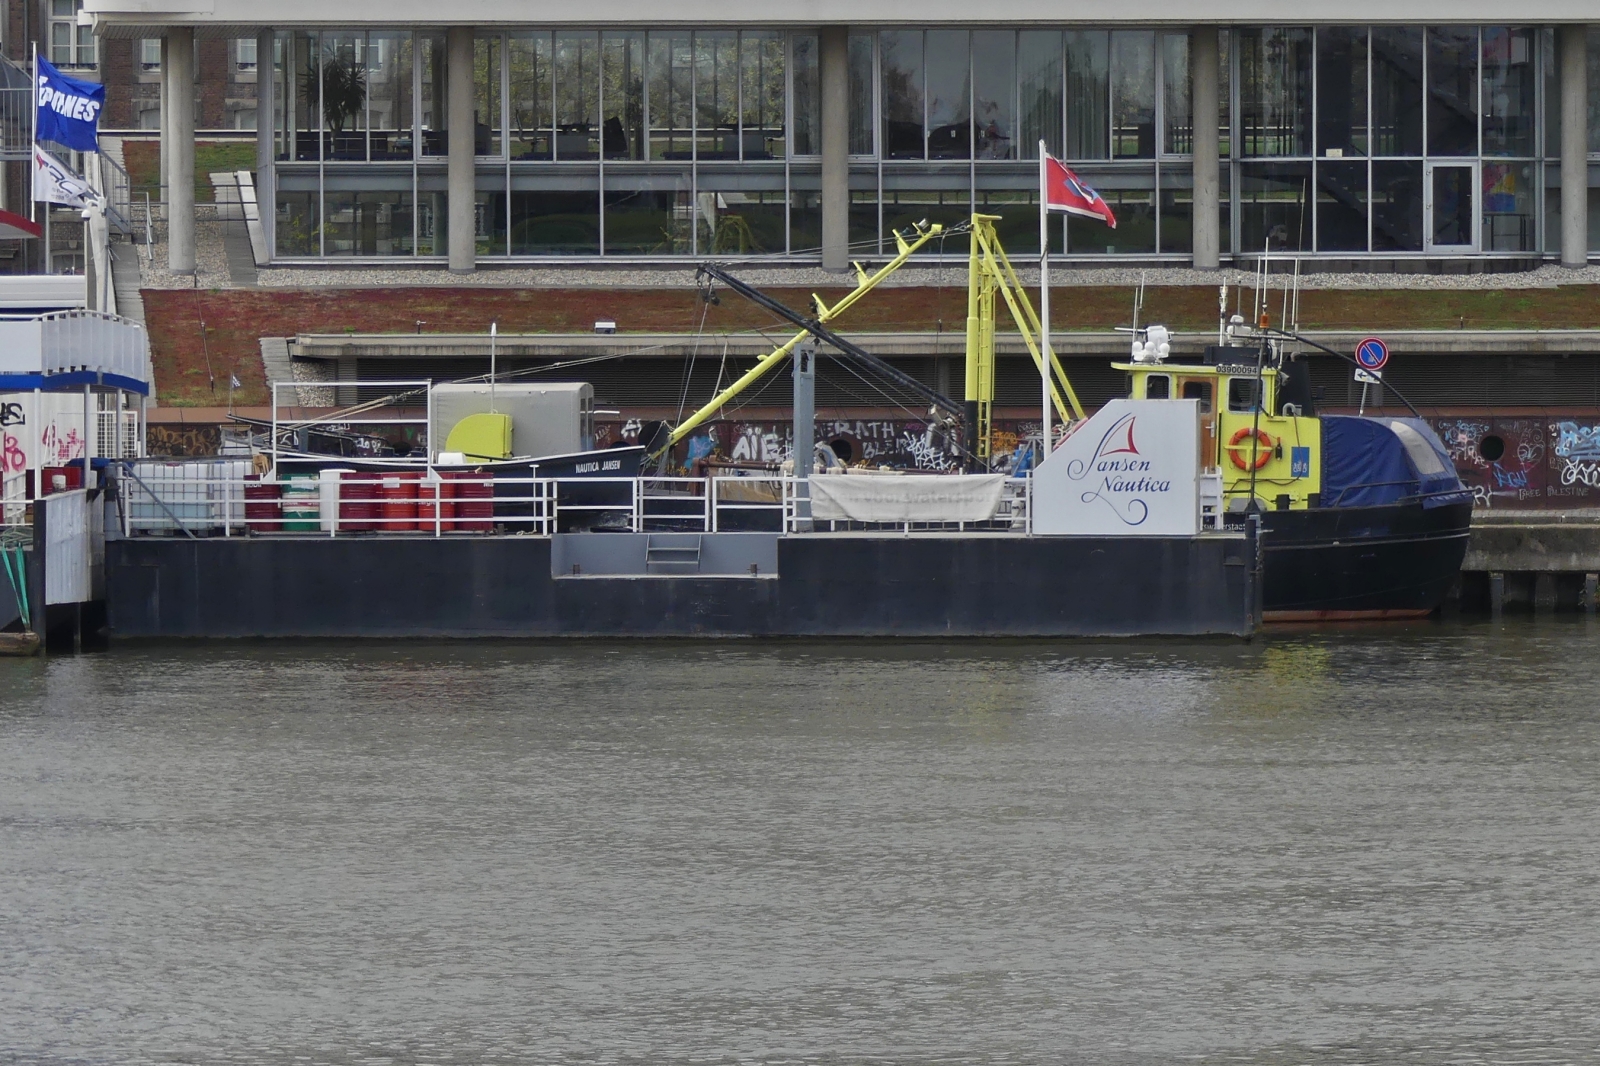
{"x":1525,"y":462}
{"x":909,"y":444}
{"x":182,"y":439}
{"x":1574,"y":459}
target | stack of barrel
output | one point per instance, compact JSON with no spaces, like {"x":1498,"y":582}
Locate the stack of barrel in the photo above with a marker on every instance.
{"x":405,"y":501}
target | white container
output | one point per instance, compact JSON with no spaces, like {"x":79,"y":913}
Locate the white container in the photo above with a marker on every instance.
{"x":329,"y":498}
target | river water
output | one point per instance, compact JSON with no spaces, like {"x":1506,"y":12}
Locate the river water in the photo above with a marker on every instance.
{"x":1375,"y":845}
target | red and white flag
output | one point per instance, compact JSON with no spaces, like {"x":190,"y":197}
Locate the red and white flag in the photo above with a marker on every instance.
{"x":1065,"y":191}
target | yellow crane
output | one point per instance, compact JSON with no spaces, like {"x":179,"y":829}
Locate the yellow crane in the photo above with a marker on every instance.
{"x":990,"y":274}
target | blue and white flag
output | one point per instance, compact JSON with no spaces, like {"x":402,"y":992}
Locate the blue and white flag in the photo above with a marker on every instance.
{"x":69,"y":109}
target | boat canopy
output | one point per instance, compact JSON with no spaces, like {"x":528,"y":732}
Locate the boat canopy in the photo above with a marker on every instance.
{"x":1372,"y":461}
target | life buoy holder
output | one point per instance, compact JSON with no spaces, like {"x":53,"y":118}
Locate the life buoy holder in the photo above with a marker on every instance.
{"x":1263,"y":451}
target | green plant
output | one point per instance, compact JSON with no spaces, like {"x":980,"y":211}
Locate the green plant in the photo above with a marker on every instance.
{"x":343,"y":88}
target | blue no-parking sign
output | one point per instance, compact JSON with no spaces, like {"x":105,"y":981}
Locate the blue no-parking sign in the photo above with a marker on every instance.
{"x":1372,"y":354}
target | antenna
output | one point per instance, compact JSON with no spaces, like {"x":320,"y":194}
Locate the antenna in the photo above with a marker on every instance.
{"x":1222,"y":316}
{"x":1263,"y":272}
{"x":1296,"y":318}
{"x":1283,"y":320}
{"x":1138,"y":301}
{"x":494,"y":331}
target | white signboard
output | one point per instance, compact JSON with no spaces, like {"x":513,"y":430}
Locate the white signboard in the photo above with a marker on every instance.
{"x":1131,"y":470}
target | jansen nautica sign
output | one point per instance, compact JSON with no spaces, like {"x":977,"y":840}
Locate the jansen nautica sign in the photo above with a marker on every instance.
{"x":1130,"y":470}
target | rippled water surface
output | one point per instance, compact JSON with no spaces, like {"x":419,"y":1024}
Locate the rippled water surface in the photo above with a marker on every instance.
{"x":1370,"y":846}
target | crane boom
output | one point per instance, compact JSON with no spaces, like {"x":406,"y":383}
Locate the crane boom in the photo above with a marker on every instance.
{"x":865,"y":283}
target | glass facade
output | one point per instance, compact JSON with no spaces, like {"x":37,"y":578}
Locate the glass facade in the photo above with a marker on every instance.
{"x":680,"y":142}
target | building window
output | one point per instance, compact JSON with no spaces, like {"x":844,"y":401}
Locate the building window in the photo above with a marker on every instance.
{"x":244,"y":53}
{"x":150,"y":54}
{"x":71,"y":45}
{"x":688,"y":141}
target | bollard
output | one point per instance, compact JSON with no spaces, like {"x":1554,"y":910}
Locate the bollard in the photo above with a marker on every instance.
{"x":1497,"y":595}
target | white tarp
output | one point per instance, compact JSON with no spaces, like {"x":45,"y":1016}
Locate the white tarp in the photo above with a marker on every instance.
{"x":911,"y":498}
{"x":1131,"y":470}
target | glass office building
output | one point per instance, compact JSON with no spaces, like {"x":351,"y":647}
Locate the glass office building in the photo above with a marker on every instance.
{"x":1353,"y":141}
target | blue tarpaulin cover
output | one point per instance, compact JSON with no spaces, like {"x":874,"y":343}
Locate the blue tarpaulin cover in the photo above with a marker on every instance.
{"x":1371,"y":461}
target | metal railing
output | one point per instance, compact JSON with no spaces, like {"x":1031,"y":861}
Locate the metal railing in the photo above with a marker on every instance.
{"x":220,"y":498}
{"x":118,"y":190}
{"x":16,"y":121}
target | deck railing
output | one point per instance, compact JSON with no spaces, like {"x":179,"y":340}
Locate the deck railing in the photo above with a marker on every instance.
{"x":222,"y":498}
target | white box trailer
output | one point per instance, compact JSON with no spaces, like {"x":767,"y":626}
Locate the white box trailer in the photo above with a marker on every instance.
{"x":554,"y":418}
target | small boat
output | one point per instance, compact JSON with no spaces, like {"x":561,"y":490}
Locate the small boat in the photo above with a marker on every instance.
{"x":1364,"y":516}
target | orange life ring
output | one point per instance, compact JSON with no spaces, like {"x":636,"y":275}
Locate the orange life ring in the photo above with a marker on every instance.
{"x":1263,"y":453}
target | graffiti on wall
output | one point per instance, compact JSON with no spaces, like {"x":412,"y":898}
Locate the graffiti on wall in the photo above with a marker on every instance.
{"x":909,"y":444}
{"x":1525,"y":462}
{"x":1574,"y":458}
{"x":182,"y":439}
{"x":51,"y":426}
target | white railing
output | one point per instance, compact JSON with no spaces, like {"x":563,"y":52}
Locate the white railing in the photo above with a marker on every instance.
{"x":13,"y":498}
{"x":220,"y":498}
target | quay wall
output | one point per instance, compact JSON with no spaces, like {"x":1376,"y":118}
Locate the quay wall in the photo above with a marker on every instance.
{"x":826,"y":585}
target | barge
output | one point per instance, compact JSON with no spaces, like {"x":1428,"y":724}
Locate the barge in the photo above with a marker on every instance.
{"x":844,"y":554}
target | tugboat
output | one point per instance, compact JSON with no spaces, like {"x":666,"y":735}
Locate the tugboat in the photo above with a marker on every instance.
{"x":1365,"y":516}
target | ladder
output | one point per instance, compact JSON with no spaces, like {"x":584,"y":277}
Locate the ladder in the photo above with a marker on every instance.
{"x":672,"y":553}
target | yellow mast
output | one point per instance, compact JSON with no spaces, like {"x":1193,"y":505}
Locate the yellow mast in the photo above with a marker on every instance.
{"x":990,"y":272}
{"x":865,"y":283}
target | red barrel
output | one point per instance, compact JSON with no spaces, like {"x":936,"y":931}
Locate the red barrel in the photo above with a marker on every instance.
{"x":399,"y":507}
{"x":474,"y":506}
{"x":357,"y":491}
{"x":263,"y":505}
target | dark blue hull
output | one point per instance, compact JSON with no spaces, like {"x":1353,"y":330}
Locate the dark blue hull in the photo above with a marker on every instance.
{"x":813,"y":585}
{"x":1388,"y":561}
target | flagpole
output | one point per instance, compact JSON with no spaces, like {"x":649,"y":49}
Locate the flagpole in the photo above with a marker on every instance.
{"x":33,"y":75}
{"x":1045,"y":357}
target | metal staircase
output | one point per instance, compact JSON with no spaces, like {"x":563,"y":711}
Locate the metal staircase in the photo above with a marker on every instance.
{"x":672,"y":553}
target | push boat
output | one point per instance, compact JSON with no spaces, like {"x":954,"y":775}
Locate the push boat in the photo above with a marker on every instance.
{"x":1363,"y":516}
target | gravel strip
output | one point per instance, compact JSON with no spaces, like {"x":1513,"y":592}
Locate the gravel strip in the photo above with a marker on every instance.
{"x":213,"y":274}
{"x":211,"y":257}
{"x":586,"y":276}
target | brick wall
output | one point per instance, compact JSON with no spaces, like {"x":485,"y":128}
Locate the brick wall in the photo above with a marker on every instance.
{"x":213,"y":78}
{"x":116,"y":70}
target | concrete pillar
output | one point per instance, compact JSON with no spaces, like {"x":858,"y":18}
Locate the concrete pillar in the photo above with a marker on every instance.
{"x":178,"y":81}
{"x":1573,"y":52}
{"x":834,"y":72}
{"x":1203,"y":54}
{"x":267,"y":105}
{"x":462,"y":185}
{"x":166,"y":124}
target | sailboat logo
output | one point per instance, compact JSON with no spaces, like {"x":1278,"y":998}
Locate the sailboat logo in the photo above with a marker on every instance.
{"x":1122,"y":430}
{"x":1118,"y":440}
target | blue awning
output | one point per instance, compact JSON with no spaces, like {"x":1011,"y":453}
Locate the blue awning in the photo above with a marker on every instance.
{"x":1367,"y":462}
